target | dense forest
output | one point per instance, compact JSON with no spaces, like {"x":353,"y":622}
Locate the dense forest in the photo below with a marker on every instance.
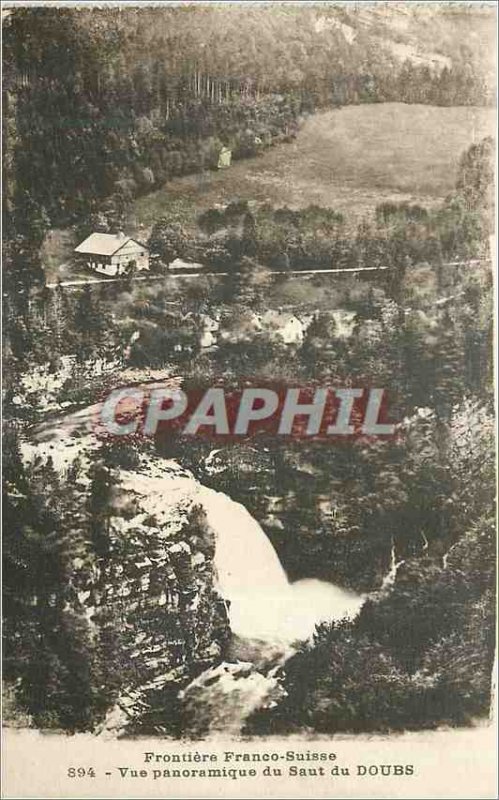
{"x":102,"y":106}
{"x":250,"y":245}
{"x":424,"y":499}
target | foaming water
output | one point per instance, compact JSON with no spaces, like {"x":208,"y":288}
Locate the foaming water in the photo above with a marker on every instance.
{"x":263,"y":604}
{"x":268,"y":617}
{"x":268,"y":614}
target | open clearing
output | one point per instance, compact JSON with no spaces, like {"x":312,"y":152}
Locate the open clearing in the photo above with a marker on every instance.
{"x":349,"y":159}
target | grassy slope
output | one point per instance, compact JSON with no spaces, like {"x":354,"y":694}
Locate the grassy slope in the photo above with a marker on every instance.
{"x":350,"y":159}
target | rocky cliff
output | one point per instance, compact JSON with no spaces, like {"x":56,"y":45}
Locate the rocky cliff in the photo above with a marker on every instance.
{"x":156,"y":598}
{"x":189,"y":612}
{"x":148,"y":592}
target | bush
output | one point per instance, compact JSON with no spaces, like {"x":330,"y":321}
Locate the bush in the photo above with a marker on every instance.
{"x":343,"y":681}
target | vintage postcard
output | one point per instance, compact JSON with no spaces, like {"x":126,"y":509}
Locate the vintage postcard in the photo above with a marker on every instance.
{"x":249,"y":450}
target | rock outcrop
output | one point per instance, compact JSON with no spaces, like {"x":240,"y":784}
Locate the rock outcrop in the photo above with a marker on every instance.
{"x":149,"y":593}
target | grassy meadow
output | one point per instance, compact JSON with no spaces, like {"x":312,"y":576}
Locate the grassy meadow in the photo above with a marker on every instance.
{"x":349,"y":159}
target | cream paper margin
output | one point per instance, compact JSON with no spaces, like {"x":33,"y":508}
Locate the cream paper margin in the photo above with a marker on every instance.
{"x":447,"y":764}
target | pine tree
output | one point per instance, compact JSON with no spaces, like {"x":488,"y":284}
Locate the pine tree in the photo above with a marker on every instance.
{"x":89,"y":322}
{"x":49,"y":650}
{"x":448,"y":361}
{"x":101,"y":481}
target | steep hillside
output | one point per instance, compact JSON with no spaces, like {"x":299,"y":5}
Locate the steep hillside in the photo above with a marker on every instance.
{"x":104,"y":105}
{"x":138,"y":614}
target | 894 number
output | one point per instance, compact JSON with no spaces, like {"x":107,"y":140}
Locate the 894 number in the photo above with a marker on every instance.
{"x":81,"y":772}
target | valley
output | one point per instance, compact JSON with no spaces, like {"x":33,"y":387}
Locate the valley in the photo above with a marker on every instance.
{"x":312,"y":192}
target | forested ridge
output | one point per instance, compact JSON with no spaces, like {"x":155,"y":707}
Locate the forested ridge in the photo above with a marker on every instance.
{"x":103,"y":105}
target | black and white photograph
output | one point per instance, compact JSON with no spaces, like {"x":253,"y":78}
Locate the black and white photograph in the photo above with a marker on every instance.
{"x":249,"y":429}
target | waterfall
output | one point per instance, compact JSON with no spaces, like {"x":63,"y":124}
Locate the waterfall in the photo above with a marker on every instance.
{"x":262,"y":602}
{"x":268,"y":615}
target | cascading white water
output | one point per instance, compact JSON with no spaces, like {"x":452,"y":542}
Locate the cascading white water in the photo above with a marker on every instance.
{"x":268,"y":614}
{"x":263,"y":604}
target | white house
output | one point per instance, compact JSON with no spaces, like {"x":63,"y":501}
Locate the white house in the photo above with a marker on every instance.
{"x":210,"y":328}
{"x":283,"y":325}
{"x":113,"y":254}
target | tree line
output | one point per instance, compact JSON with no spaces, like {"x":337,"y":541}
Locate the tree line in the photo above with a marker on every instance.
{"x":70,"y":635}
{"x":103,"y":105}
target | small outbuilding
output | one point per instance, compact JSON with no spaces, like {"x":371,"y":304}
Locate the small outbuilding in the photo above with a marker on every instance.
{"x":224,"y":158}
{"x":113,"y":254}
